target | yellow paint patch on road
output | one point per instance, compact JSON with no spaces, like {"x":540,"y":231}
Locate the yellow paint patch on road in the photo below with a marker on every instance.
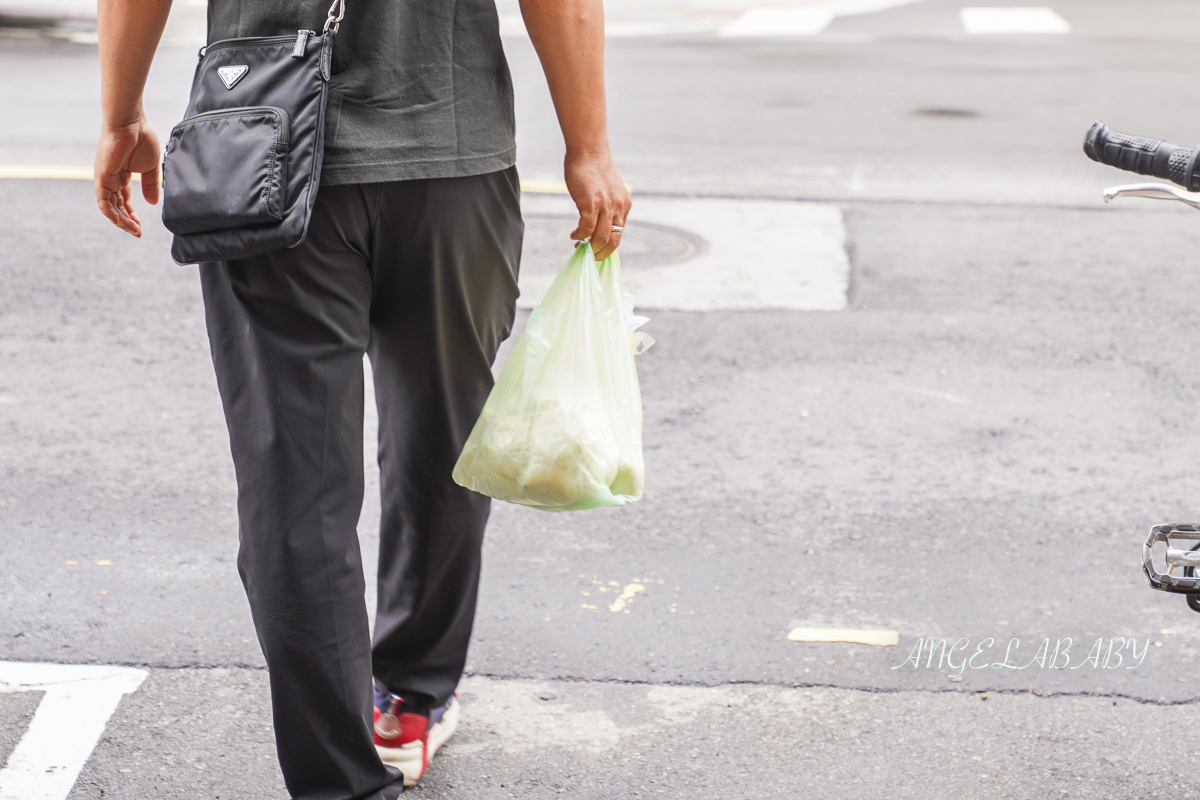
{"x":878,"y":638}
{"x":46,"y":172}
{"x":104,"y":563}
{"x":537,"y":186}
{"x":626,"y":596}
{"x":68,"y":172}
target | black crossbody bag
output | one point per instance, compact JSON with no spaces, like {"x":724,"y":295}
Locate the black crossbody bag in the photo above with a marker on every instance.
{"x":241,"y":172}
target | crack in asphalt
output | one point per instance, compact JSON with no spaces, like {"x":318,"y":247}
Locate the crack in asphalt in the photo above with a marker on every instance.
{"x":708,"y":685}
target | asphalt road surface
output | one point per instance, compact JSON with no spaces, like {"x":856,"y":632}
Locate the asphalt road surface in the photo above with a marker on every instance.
{"x":971,"y":449}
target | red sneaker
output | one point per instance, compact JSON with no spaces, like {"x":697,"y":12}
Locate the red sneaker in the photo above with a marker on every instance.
{"x":408,"y":739}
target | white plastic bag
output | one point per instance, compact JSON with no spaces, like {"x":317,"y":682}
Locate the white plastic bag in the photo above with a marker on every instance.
{"x":562,"y":428}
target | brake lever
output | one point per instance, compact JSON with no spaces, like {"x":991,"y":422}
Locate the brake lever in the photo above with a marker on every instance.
{"x":1153,"y":191}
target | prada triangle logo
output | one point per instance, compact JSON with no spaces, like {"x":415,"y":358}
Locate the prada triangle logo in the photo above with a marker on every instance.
{"x":231,"y":75}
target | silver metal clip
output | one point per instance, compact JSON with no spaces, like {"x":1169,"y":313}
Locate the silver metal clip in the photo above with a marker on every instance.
{"x":337,"y":13}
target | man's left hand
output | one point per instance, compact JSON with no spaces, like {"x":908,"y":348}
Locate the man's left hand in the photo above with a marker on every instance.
{"x":602,"y":199}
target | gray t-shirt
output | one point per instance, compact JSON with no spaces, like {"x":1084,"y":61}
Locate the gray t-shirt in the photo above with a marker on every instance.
{"x":420,"y":88}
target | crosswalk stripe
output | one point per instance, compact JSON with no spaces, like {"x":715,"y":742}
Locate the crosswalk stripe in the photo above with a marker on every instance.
{"x":809,"y":20}
{"x":989,"y":21}
{"x":77,"y":703}
{"x":814,"y":19}
{"x":779,"y":22}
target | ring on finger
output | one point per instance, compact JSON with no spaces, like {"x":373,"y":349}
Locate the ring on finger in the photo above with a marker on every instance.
{"x":617,"y":228}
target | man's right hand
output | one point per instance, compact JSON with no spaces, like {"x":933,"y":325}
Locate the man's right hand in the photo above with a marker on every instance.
{"x":122,"y":151}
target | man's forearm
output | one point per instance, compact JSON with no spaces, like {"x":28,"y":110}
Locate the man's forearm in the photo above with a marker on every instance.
{"x":569,"y":38}
{"x":129,"y":31}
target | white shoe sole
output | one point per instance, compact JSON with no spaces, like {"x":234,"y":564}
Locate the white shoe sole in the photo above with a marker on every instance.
{"x":409,"y":758}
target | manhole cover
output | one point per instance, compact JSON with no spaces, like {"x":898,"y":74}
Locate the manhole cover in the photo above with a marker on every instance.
{"x":643,"y":245}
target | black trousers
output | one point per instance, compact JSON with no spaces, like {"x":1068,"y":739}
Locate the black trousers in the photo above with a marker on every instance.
{"x":421,"y":276}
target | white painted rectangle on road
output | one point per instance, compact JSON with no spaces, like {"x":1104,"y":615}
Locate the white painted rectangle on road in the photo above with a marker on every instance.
{"x":630,"y":27}
{"x":993,"y":21}
{"x":77,"y":703}
{"x":759,"y":254}
{"x":779,"y":22}
{"x":807,"y":20}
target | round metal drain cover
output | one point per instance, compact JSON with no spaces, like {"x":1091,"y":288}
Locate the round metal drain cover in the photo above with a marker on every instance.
{"x":644,"y":245}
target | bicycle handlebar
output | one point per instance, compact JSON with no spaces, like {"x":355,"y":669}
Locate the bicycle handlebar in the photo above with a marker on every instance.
{"x":1144,"y":156}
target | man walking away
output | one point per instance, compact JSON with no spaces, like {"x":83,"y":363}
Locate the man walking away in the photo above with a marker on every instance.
{"x":411,"y":258}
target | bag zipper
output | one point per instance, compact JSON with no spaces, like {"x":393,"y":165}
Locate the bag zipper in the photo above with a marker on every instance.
{"x":301,"y":43}
{"x":283,"y":132}
{"x":253,"y":41}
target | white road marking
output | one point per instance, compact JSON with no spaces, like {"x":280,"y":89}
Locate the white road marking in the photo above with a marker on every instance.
{"x":631,"y":27}
{"x":77,"y":704}
{"x":950,"y":398}
{"x":673,"y":25}
{"x":761,"y":254}
{"x":808,"y":20}
{"x":779,"y":22}
{"x":987,"y":21}
{"x":512,"y":25}
{"x":805,"y":19}
{"x":80,"y":9}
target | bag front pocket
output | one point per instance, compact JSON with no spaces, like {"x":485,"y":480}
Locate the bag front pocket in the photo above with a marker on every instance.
{"x":226,"y":169}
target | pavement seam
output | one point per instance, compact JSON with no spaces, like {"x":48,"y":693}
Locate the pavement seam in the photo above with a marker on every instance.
{"x":861,"y":689}
{"x":703,"y":685}
{"x":836,"y":199}
{"x":902,"y":201}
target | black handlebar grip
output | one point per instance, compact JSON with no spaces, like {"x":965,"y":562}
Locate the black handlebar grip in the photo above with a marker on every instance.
{"x":1144,"y":156}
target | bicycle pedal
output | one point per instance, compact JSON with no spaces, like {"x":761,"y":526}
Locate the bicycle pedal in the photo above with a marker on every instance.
{"x":1173,"y":557}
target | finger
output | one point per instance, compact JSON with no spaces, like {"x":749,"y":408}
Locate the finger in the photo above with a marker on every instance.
{"x":151,"y":181}
{"x":619,"y":222}
{"x":127,"y":199}
{"x":123,"y":199}
{"x":602,"y":235}
{"x":112,"y":201}
{"x":614,"y":241}
{"x":587,"y":223}
{"x":104,"y":203}
{"x":128,"y":220}
{"x":104,"y":185}
{"x":114,"y":208}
